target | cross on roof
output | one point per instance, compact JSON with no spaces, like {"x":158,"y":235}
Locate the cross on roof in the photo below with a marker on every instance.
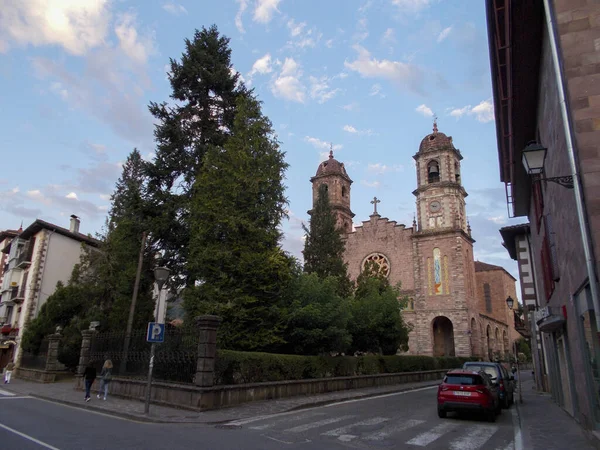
{"x":374,"y":203}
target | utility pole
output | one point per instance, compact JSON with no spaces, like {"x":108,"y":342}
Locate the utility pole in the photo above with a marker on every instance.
{"x":136,"y":288}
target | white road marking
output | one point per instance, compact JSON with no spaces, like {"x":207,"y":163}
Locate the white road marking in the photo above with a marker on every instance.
{"x":285,"y":442}
{"x":269,"y":416}
{"x":428,"y":437}
{"x":475,"y":437}
{"x":287,"y":419}
{"x":29,"y":438}
{"x":510,"y":446}
{"x":517,"y":427}
{"x":342,"y":433}
{"x":402,"y":426}
{"x":7,"y":393}
{"x":320,"y":423}
{"x":14,"y":398}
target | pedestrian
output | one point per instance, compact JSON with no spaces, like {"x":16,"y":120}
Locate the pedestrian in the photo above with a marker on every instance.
{"x":89,"y":375}
{"x":106,"y":376}
{"x":8,"y":372}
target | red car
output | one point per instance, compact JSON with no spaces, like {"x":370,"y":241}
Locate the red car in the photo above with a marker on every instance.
{"x":468,"y":390}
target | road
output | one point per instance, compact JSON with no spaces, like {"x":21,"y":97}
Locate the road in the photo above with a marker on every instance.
{"x":405,"y":420}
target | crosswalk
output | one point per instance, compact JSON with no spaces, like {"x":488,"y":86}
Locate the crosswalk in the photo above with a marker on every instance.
{"x":7,"y":395}
{"x":379,"y":431}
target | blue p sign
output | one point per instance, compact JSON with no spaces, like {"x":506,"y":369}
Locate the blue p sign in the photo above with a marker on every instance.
{"x":156,"y":332}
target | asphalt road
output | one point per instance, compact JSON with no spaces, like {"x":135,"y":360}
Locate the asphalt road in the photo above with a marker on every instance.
{"x":400,"y":421}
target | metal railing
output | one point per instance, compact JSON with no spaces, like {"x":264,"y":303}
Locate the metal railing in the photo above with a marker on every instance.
{"x":36,"y":360}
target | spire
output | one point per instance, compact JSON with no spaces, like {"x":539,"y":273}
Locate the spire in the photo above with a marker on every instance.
{"x":330,"y":150}
{"x":468,"y":227}
{"x":21,"y":227}
{"x":435,"y":128}
{"x":414,"y":221}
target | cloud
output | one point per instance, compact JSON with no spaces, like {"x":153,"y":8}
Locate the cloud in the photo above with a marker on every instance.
{"x":320,"y":89}
{"x":380,"y":169}
{"x":301,"y":36}
{"x":483,"y":112}
{"x":295,"y":28}
{"x":263,"y":13}
{"x":424,"y":110}
{"x":71,"y":195}
{"x":411,"y":6}
{"x":77,"y":26}
{"x":262,"y":65}
{"x":174,"y":8}
{"x":362,"y":31}
{"x":389,"y":36}
{"x":350,"y":129}
{"x":318,"y":143}
{"x":136,"y":47}
{"x":401,"y":73}
{"x":238,"y":17}
{"x":370,"y":184}
{"x":287,"y":85}
{"x":354,"y":106}
{"x":444,"y":34}
{"x":376,"y":91}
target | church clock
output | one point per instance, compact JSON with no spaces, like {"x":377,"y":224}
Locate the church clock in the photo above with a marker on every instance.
{"x":435,"y":206}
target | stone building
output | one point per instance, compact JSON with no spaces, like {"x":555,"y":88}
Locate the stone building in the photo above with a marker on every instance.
{"x":432,"y":259}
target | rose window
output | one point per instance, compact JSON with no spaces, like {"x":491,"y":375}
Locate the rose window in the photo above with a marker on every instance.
{"x":380,"y":260}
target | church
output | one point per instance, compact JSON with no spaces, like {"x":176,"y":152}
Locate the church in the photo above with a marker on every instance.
{"x":457,"y":306}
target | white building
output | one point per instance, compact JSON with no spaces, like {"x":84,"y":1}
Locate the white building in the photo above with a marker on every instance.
{"x":34,"y":261}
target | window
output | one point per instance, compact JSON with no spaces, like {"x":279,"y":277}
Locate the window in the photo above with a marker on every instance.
{"x":344,"y":191}
{"x":546,"y":259}
{"x":487,"y":294}
{"x":464,"y":380}
{"x":433,"y":172}
{"x":457,"y":172}
{"x":538,"y":203}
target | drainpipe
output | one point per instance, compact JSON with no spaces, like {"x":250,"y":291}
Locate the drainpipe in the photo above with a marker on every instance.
{"x":588,"y":249}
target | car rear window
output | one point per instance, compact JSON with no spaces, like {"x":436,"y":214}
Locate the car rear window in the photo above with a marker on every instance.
{"x":490,"y":370}
{"x":465,"y":380}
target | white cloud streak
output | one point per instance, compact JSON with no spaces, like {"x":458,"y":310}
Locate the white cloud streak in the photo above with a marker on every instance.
{"x":483,"y":112}
{"x":424,"y":110}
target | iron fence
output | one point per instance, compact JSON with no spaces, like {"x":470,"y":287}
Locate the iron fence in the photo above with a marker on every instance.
{"x":174,"y":360}
{"x":36,"y":360}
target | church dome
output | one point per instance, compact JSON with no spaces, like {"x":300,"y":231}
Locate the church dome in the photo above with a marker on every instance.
{"x":435,"y":141}
{"x":331,"y":167}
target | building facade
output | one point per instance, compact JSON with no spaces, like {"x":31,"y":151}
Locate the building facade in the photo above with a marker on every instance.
{"x":545,"y":62}
{"x":432,"y":259}
{"x":37,"y":258}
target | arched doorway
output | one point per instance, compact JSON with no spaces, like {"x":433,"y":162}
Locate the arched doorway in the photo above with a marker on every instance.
{"x":443,"y":337}
{"x":488,"y":336}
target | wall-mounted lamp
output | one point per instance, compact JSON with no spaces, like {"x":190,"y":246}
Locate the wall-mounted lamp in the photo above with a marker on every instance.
{"x":534,"y":157}
{"x":510,"y":302}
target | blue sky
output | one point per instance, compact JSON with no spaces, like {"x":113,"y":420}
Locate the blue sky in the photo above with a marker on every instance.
{"x":77,"y":76}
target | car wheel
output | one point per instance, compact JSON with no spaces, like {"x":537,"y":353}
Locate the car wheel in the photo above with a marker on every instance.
{"x":441,"y":413}
{"x":491,"y":416}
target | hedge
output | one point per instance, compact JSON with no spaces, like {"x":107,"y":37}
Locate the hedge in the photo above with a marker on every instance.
{"x":233,"y":367}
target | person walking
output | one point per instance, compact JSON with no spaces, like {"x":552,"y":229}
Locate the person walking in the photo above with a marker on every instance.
{"x":8,"y":370}
{"x":89,"y":375}
{"x":106,"y":376}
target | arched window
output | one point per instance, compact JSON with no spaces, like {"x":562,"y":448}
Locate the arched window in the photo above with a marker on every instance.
{"x":433,"y":171}
{"x":487,"y":294}
{"x":344,"y":191}
{"x":457,"y":172}
{"x":326,"y":187}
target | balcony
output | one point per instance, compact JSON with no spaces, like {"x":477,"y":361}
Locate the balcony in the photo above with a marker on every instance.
{"x":17,"y":295}
{"x":24,"y":258}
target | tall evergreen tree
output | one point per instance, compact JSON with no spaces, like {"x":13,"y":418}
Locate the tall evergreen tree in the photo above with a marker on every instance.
{"x":237,"y":208}
{"x":205,"y":89}
{"x":324,"y":246}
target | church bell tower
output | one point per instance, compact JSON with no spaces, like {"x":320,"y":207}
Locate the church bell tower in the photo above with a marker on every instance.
{"x":333,"y":174}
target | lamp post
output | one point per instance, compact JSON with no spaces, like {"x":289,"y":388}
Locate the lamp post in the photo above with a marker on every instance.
{"x":534,"y":157}
{"x":161,"y":274}
{"x":510,"y":303}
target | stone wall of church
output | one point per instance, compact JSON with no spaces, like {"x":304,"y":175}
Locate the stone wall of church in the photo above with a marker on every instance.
{"x":393,"y":240}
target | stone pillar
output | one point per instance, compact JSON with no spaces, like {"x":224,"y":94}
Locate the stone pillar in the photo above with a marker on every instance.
{"x":207,"y":349}
{"x":52,"y":364}
{"x":84,"y":354}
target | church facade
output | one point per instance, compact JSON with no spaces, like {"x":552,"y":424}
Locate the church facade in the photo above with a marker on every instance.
{"x":432,"y":260}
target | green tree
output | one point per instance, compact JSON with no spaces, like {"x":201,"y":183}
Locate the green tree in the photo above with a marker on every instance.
{"x":237,"y":208}
{"x":205,"y":89}
{"x":317,"y":317}
{"x":324,"y":246}
{"x":377,"y":325}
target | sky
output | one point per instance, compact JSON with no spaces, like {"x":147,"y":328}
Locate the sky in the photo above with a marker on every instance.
{"x":363,"y":76}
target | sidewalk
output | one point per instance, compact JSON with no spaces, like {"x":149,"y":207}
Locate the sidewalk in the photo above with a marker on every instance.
{"x":64,"y":392}
{"x":544,"y":424}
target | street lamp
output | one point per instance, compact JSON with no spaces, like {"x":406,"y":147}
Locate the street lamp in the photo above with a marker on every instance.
{"x":161,"y":274}
{"x":510,"y":302}
{"x":534,"y":157}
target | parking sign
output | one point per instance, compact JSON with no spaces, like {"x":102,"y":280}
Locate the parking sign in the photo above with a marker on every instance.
{"x":156,"y":332}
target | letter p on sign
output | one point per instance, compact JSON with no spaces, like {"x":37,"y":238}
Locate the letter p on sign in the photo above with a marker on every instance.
{"x":156,"y":332}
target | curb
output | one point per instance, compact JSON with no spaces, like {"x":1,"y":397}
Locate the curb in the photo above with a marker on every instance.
{"x":146,"y":419}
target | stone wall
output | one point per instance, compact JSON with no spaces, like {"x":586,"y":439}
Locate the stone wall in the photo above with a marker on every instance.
{"x":197,"y":398}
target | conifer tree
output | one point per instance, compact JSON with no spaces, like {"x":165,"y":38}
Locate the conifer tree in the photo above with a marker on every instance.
{"x":324,"y":246}
{"x":205,"y":88}
{"x":237,"y":207}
